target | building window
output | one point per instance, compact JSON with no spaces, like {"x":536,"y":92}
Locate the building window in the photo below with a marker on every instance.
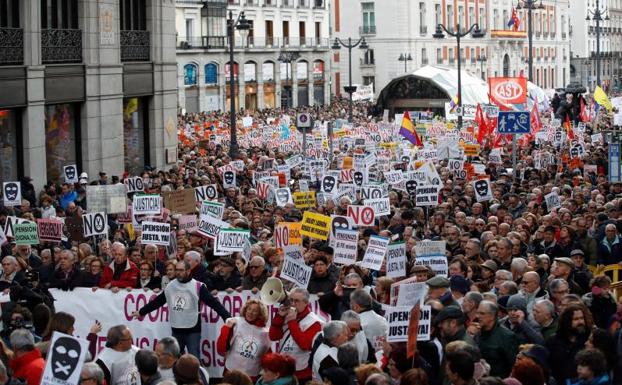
{"x":422,"y":15}
{"x":134,"y":38}
{"x":286,"y":32}
{"x":461,"y":19}
{"x":9,"y":14}
{"x":367,"y":80}
{"x":8,"y":144}
{"x":369,"y":17}
{"x":495,"y":19}
{"x":505,"y":19}
{"x":59,"y":14}
{"x":61,"y":38}
{"x":211,"y":74}
{"x":369,"y":57}
{"x":318,"y":70}
{"x":190,"y":75}
{"x":482,"y":21}
{"x":60,"y":138}
{"x":424,"y":56}
{"x":437,"y":15}
{"x":267,"y":72}
{"x":250,"y":72}
{"x":439,"y":56}
{"x":135,"y":134}
{"x":450,"y":17}
{"x":471,"y":17}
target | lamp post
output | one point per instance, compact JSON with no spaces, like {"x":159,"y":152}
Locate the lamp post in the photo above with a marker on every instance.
{"x":530,"y":5}
{"x":482,"y":59}
{"x":476,"y":32}
{"x":243,"y":26}
{"x":597,"y":16}
{"x":362,"y":44}
{"x":405,"y":57}
{"x":288,"y":57}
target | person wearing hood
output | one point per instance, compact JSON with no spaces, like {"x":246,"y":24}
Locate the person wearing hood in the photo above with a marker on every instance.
{"x":183,"y":296}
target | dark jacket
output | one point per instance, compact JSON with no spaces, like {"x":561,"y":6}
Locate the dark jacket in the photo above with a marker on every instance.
{"x":550,"y":330}
{"x":498,"y":347}
{"x":154,"y":283}
{"x":609,"y":253}
{"x":323,"y":284}
{"x":601,"y":307}
{"x":248,"y":283}
{"x":217,"y":282}
{"x":525,"y":332}
{"x":18,"y":279}
{"x":64,"y":281}
{"x":561,"y":356}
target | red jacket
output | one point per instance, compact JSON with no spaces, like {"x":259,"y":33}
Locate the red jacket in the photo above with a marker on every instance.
{"x":128,"y":278}
{"x":29,"y":367}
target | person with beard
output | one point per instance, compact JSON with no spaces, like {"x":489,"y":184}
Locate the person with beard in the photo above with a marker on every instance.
{"x":586,"y":243}
{"x":183,"y":296}
{"x":575,"y":324}
{"x":452,"y":235}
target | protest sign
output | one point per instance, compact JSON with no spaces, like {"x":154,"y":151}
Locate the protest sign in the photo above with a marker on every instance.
{"x":111,"y":199}
{"x":426,"y":195}
{"x":408,"y":292}
{"x":399,"y":318}
{"x":3,"y":239}
{"x":381,"y":206}
{"x":12,"y":194}
{"x":228,"y":179}
{"x":70,"y":173}
{"x":346,"y":247}
{"x":483,"y":190}
{"x":231,"y":240}
{"x":287,"y":234}
{"x":432,"y":253}
{"x":189,"y":223}
{"x":553,"y":201}
{"x":180,"y":201}
{"x":294,"y":252}
{"x":203,"y":193}
{"x":361,"y":215}
{"x":50,"y":230}
{"x":94,"y":224}
{"x":376,"y":250}
{"x":65,"y":359}
{"x":295,"y":271}
{"x":116,"y":308}
{"x":315,"y":225}
{"x":26,"y":234}
{"x":304,"y":200}
{"x":214,"y":209}
{"x":147,"y":205}
{"x":155,"y":233}
{"x":283,"y":196}
{"x":396,"y":260}
{"x":134,"y":184}
{"x":210,"y":227}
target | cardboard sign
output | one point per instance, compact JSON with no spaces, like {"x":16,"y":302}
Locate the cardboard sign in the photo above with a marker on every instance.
{"x":12,"y":194}
{"x":188,"y":223}
{"x":26,"y":234}
{"x":346,"y":247}
{"x":362,"y":215}
{"x":95,"y":224}
{"x":210,"y":227}
{"x":396,"y":260}
{"x":304,"y":200}
{"x":203,"y":193}
{"x":65,"y":360}
{"x":287,"y":234}
{"x":553,"y":201}
{"x":50,"y":230}
{"x":381,"y":206}
{"x":315,"y":225}
{"x":214,"y":209}
{"x":147,"y":205}
{"x":181,"y":201}
{"x":376,"y":250}
{"x":70,"y":173}
{"x":134,"y":184}
{"x":231,"y":240}
{"x":296,"y":272}
{"x":432,"y":253}
{"x":155,"y":233}
{"x":111,"y":199}
{"x":399,"y":318}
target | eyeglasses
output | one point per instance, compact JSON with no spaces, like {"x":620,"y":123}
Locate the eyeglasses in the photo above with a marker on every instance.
{"x":254,"y":267}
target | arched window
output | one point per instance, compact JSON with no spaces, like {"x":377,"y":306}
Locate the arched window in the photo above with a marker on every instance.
{"x":211,"y":73}
{"x":506,"y":65}
{"x":267,"y":71}
{"x":318,"y":69}
{"x":190,"y":74}
{"x":250,"y":72}
{"x":302,"y":70}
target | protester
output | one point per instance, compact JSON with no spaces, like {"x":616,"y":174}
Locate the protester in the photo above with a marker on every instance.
{"x":27,"y":363}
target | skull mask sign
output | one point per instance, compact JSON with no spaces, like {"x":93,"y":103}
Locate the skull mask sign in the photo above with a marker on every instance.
{"x":328,"y":183}
{"x":411,"y":187}
{"x":358,"y":178}
{"x":12,"y":194}
{"x":339,"y":223}
{"x":71,"y":173}
{"x":482,"y":188}
{"x":65,"y":357}
{"x":229,"y":179}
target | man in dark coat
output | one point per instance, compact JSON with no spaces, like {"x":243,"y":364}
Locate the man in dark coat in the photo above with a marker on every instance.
{"x":67,"y":275}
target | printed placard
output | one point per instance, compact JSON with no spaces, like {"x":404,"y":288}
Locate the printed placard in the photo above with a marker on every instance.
{"x":65,"y":360}
{"x":553,"y":201}
{"x":10,"y":223}
{"x":283,"y":196}
{"x":203,"y":193}
{"x":376,"y":250}
{"x":409,"y":292}
{"x":287,"y":234}
{"x":315,"y":225}
{"x":228,"y":179}
{"x":399,"y":318}
{"x":231,"y":240}
{"x":155,"y":233}
{"x":94,"y":224}
{"x":70,"y":173}
{"x":26,"y":234}
{"x":432,"y":253}
{"x":147,"y":205}
{"x":214,"y":209}
{"x":296,"y":272}
{"x":188,"y":223}
{"x":134,"y":184}
{"x":50,"y":230}
{"x":346,"y":246}
{"x":180,"y":201}
{"x":12,"y":194}
{"x":426,"y":195}
{"x":396,"y":260}
{"x":304,"y":200}
{"x":361,"y":215}
{"x":210,"y":226}
{"x":111,"y":199}
{"x":381,"y":206}
{"x":483,"y":190}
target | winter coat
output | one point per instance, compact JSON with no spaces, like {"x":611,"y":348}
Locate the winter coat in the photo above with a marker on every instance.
{"x":29,"y":367}
{"x":499,"y":347}
{"x":561,"y":356}
{"x":126,"y":279}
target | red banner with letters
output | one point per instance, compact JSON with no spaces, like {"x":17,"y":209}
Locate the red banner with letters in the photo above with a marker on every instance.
{"x":508,"y":90}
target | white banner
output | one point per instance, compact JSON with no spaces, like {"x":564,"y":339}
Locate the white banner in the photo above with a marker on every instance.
{"x":210,"y":226}
{"x":116,"y":309}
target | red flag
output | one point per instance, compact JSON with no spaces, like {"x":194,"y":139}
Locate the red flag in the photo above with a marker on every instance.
{"x":584,"y":117}
{"x":413,"y":330}
{"x":482,"y":131}
{"x":536,"y":123}
{"x":568,"y":127}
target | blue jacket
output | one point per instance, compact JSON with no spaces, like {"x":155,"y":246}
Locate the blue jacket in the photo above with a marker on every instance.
{"x":609,"y":253}
{"x":600,"y":380}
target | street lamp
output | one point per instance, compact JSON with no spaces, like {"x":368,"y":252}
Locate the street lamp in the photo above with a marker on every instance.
{"x":482,"y":59}
{"x":362,"y":44}
{"x":242,"y":25}
{"x":405,"y":57}
{"x":288,"y":57}
{"x":476,"y":33}
{"x":597,"y":16}
{"x":530,"y":5}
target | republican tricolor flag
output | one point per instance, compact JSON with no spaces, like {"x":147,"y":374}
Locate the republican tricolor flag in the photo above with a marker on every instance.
{"x":514,"y":20}
{"x":408,"y":131}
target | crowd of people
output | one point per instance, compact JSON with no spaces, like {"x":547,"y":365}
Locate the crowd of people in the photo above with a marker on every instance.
{"x":520,"y":304}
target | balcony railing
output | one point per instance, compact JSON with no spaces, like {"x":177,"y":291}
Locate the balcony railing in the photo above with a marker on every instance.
{"x":251,"y":42}
{"x":135,"y":45}
{"x":61,"y":46}
{"x":367,"y":30}
{"x":11,"y":46}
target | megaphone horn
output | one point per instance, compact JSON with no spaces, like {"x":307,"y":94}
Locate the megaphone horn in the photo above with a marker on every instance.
{"x":272,"y":292}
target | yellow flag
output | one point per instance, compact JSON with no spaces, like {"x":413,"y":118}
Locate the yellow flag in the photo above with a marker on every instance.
{"x":601,"y":98}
